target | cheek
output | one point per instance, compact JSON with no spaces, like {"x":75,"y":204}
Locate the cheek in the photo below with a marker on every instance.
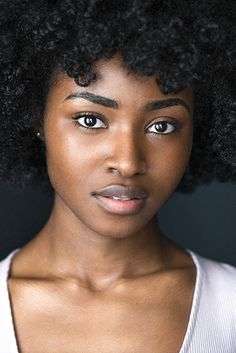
{"x":68,"y":156}
{"x":169,"y":163}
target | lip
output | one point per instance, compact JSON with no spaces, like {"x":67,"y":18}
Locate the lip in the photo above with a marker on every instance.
{"x":121,"y":191}
{"x":124,"y":208}
{"x":132,"y":199}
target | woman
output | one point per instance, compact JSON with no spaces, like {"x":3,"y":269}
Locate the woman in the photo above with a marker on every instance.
{"x":115,"y":106}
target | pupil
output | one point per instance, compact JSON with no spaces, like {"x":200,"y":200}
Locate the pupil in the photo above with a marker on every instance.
{"x":161,"y":127}
{"x":90,"y":120}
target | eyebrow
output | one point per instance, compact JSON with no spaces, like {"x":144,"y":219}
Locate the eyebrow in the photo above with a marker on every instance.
{"x":110,"y":103}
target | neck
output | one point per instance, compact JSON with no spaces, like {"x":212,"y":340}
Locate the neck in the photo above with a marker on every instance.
{"x":96,"y":260}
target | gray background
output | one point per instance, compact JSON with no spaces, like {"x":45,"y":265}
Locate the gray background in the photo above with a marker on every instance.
{"x":204,"y":221}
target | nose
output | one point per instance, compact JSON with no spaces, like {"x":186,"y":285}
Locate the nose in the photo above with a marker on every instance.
{"x":126,"y":155}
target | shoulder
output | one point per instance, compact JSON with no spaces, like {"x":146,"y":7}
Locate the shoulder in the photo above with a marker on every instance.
{"x":5,"y":264}
{"x":219,"y":273}
{"x":213,"y":317}
{"x":218,"y":284}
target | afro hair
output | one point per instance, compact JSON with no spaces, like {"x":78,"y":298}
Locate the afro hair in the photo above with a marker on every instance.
{"x":184,"y":43}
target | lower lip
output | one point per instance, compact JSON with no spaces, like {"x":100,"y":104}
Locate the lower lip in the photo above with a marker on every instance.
{"x":129,"y":207}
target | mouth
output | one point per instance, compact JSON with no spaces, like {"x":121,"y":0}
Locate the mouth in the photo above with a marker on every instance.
{"x":121,"y":199}
{"x":120,"y":206}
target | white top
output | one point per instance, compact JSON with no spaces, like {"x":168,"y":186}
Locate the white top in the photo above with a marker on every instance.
{"x":212,"y":322}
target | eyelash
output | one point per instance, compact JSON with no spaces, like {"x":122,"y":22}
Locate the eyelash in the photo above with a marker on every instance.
{"x":175,"y":124}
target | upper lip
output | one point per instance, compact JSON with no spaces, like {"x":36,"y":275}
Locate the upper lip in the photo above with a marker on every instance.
{"x":122,"y":192}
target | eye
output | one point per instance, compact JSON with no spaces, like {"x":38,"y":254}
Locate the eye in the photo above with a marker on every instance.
{"x":164,"y":127}
{"x":88,"y":121}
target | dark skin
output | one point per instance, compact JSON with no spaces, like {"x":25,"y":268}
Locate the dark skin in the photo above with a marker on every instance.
{"x":91,"y":280}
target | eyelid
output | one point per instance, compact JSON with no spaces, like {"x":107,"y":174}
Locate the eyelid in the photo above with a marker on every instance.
{"x":168,"y":119}
{"x":97,"y":115}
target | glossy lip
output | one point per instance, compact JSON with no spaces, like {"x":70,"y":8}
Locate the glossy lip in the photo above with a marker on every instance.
{"x":122,"y":192}
{"x":124,"y":208}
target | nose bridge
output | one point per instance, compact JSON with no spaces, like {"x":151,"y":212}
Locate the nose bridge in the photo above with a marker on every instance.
{"x":127,"y":153}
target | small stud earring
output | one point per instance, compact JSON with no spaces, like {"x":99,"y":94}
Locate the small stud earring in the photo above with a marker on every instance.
{"x":38,"y":134}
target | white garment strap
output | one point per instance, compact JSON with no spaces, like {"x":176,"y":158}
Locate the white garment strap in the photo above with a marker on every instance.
{"x":7,"y":333}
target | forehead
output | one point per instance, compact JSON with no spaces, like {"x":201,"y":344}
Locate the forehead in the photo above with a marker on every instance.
{"x":116,"y":82}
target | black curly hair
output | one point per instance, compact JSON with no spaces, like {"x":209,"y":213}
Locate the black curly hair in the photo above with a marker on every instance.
{"x":185,"y":43}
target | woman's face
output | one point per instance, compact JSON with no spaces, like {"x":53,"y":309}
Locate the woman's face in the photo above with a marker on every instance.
{"x":120,"y":130}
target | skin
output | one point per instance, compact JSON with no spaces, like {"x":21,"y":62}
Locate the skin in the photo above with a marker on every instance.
{"x":134,"y":281}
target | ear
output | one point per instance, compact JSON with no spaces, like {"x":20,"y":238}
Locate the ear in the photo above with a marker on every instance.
{"x":38,"y":127}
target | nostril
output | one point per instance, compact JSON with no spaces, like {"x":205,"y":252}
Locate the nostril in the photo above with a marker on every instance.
{"x":125,"y":173}
{"x":114,"y":170}
{"x":125,"y":167}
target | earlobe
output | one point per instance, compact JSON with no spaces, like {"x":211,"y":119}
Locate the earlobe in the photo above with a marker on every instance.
{"x":39,"y":131}
{"x":38,"y":128}
{"x":40,"y":136}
